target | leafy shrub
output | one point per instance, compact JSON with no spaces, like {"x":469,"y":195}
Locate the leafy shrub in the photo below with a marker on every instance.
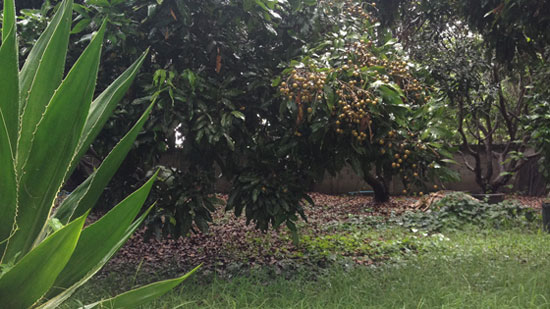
{"x":269,"y":196}
{"x":458,"y":211}
{"x":181,"y":198}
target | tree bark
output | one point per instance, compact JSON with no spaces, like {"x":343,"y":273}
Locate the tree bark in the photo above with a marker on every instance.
{"x":381,"y":190}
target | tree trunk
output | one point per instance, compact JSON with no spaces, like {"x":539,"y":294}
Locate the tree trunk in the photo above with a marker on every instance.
{"x":381,"y":190}
{"x":546,"y":216}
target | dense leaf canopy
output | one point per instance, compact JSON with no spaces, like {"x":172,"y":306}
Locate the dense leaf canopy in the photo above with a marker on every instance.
{"x":271,"y":95}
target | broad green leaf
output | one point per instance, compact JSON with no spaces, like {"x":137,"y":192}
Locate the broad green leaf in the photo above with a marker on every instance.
{"x":63,"y":288}
{"x":8,"y":18}
{"x":134,"y":298}
{"x":62,"y":295}
{"x":445,"y":153}
{"x":81,"y":25}
{"x":53,"y":147}
{"x":102,"y":108}
{"x":41,"y":75}
{"x":98,"y":239}
{"x":390,"y":95}
{"x":86,"y":194}
{"x":9,"y":70}
{"x":238,"y":114}
{"x":8,"y":124}
{"x":8,"y":188}
{"x":35,"y":273}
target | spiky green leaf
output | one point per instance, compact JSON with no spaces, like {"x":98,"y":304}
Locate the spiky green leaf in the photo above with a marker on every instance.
{"x":8,"y":125}
{"x":9,"y":70}
{"x":41,"y":75}
{"x":86,"y":194}
{"x":134,"y":298}
{"x":60,"y":293}
{"x":53,"y":147}
{"x":98,"y":239}
{"x":103,"y":106}
{"x":8,"y":18}
{"x":35,"y":273}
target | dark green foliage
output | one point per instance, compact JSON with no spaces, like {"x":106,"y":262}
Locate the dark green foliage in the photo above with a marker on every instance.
{"x":213,"y":73}
{"x":180,"y":200}
{"x":271,"y":190}
{"x":212,"y":76}
{"x":210,"y":73}
{"x":511,"y":28}
{"x":539,"y":120}
{"x":459,"y":211}
{"x":491,"y":101}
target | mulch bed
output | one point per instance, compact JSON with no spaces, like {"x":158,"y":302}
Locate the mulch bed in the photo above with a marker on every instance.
{"x":230,"y":243}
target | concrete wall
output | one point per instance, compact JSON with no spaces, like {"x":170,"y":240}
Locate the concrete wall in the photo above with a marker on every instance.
{"x":527,"y":181}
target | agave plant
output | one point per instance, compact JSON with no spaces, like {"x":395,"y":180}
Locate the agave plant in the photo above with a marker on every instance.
{"x":47,"y":123}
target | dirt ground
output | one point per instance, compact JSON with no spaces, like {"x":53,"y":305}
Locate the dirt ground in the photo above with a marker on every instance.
{"x":231,"y":242}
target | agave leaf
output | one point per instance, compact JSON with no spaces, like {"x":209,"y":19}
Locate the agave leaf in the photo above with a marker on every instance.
{"x":134,"y":298}
{"x":86,"y":194}
{"x":34,"y":274}
{"x":46,"y":125}
{"x":41,"y":75}
{"x":102,"y":108}
{"x":8,"y":188}
{"x":9,"y":70}
{"x":53,"y":147}
{"x":8,"y":125}
{"x":98,"y":239}
{"x":60,"y":294}
{"x":9,"y":18}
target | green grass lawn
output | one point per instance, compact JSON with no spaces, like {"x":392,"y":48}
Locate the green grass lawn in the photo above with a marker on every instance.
{"x":464,"y":269}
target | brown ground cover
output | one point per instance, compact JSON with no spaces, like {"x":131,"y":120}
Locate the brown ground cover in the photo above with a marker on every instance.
{"x":230,"y":243}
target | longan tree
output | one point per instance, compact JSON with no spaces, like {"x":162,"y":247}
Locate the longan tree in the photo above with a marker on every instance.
{"x":357,"y":99}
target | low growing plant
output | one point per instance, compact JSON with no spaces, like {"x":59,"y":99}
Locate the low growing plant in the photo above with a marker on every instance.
{"x":458,"y":210}
{"x":46,"y":124}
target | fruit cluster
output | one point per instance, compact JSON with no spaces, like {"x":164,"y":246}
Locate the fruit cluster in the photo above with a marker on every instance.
{"x":353,"y":110}
{"x":303,"y":86}
{"x":356,"y":10}
{"x":389,"y":70}
{"x":410,"y":158}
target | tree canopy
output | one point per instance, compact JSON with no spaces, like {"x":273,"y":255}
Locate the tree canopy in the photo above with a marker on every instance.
{"x":273,"y":94}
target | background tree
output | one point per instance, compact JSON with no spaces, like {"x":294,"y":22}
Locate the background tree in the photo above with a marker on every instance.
{"x":210,"y":73}
{"x":492,"y":103}
{"x":491,"y":89}
{"x":509,"y":27}
{"x":539,"y":120}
